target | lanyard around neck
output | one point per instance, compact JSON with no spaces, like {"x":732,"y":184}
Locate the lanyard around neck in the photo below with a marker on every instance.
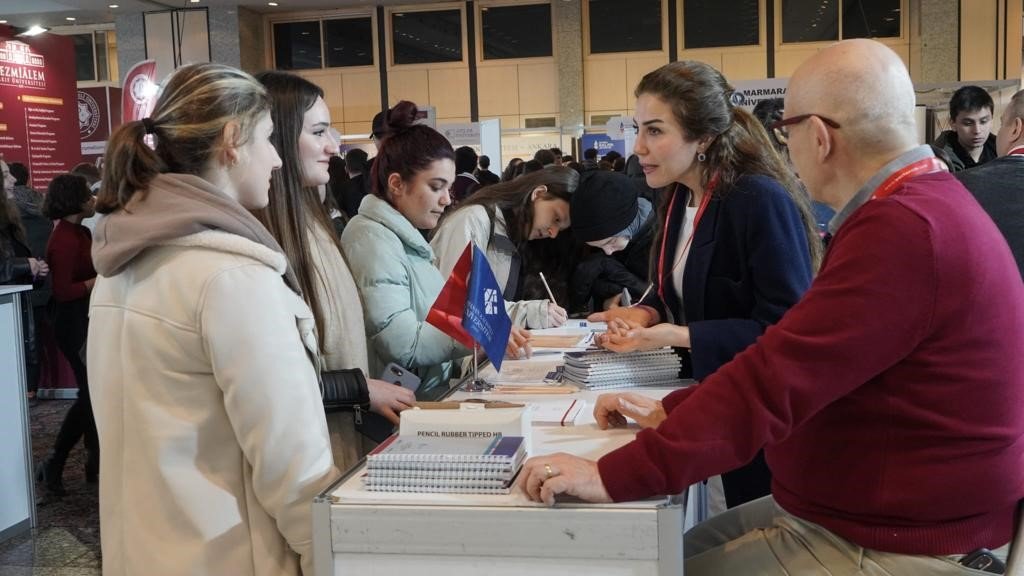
{"x":897,"y":178}
{"x":696,"y":220}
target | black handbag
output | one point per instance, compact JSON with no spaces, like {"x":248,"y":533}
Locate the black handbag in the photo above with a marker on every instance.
{"x":345,"y":390}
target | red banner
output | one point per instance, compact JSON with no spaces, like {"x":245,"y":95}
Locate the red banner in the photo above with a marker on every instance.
{"x":139,"y":93}
{"x":38,"y":104}
{"x":99,"y":114}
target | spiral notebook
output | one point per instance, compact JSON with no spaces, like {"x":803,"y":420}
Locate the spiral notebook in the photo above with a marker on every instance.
{"x":485,"y":465}
{"x":604,"y":369}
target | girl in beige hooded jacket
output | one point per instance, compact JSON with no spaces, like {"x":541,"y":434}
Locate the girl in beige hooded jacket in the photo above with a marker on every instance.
{"x":201,"y":352}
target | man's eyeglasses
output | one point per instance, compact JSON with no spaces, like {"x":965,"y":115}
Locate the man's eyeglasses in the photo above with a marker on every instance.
{"x":781,"y":127}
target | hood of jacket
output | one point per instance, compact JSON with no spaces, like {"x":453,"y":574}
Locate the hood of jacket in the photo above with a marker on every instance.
{"x":380,"y":211}
{"x":176,"y":206}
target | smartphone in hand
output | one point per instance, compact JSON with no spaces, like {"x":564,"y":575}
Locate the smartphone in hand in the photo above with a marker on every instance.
{"x":395,"y":374}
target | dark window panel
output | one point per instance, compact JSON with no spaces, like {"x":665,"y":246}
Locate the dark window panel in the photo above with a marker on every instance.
{"x":713,"y":23}
{"x":348,"y":42}
{"x":516,"y":31}
{"x":297,"y":45}
{"x":871,"y":18}
{"x":617,"y":26}
{"x":810,"y":20}
{"x":84,"y":64}
{"x":425,"y":37}
{"x":102,"y":74}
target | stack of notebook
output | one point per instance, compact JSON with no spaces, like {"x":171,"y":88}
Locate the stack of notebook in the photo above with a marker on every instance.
{"x":450,"y":465}
{"x":603,"y":369}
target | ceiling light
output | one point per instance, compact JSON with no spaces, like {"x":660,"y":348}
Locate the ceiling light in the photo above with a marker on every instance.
{"x":70,"y":18}
{"x":3,"y":21}
{"x":35,"y":30}
{"x":271,"y":3}
{"x":113,"y":6}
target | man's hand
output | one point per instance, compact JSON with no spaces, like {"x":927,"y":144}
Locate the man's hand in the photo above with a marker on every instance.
{"x":611,"y":410}
{"x":543,"y":477}
{"x":389,"y":399}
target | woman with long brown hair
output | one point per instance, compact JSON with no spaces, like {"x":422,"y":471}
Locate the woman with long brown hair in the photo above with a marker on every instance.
{"x":737,"y":244}
{"x":296,"y":216}
{"x":502,"y":219}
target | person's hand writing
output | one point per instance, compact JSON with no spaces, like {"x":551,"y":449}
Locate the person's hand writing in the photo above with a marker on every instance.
{"x":611,"y":410}
{"x":638,"y":315}
{"x":518,"y":344}
{"x":623,"y":336}
{"x":556,"y":315}
{"x":543,"y":477}
{"x":389,"y":399}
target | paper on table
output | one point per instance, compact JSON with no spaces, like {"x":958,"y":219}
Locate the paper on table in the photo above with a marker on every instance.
{"x":521,"y":373}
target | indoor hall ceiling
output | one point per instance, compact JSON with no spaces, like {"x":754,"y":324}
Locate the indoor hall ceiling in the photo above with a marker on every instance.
{"x":49,"y":13}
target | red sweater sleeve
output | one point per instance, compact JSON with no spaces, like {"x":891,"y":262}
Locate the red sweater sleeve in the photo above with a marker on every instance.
{"x":869,"y":307}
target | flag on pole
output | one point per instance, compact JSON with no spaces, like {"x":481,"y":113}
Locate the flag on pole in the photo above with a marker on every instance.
{"x":470,"y":307}
{"x":446,"y":313}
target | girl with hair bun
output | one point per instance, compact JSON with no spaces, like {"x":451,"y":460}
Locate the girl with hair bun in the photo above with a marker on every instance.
{"x":736,"y":245}
{"x":202,"y":355}
{"x":391,"y":260}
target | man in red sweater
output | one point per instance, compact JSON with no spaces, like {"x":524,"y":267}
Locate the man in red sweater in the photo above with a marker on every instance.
{"x":889,"y":401}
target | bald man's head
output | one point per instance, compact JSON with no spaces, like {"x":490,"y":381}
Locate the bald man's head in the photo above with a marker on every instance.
{"x":864,"y":86}
{"x":1011,"y":129}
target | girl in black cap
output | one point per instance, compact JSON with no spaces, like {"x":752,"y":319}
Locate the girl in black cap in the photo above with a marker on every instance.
{"x":608,"y":213}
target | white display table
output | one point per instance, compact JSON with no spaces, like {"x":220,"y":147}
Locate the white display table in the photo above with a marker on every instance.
{"x":17,"y":507}
{"x":369,"y":533}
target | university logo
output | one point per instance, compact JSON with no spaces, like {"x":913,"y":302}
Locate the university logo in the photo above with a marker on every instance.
{"x":88,"y":115}
{"x":490,"y":301}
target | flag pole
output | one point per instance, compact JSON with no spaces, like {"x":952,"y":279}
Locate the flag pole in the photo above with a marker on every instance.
{"x":477,"y":384}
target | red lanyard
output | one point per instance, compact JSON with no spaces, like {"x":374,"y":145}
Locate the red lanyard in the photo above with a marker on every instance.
{"x":1018,"y":151}
{"x":696,"y":220}
{"x":897,"y":178}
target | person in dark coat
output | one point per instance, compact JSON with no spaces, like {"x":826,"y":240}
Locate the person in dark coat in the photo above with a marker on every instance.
{"x":999,"y":185}
{"x":355,"y":188}
{"x":609,"y":215}
{"x":465,"y":182}
{"x":484,"y":174}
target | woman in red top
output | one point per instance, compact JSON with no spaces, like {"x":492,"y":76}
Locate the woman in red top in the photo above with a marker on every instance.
{"x":69,"y":201}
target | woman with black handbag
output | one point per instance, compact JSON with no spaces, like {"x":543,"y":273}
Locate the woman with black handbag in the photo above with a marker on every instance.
{"x":297,"y":218}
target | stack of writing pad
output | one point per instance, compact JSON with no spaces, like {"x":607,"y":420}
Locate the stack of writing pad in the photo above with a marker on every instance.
{"x":483,"y":465}
{"x":603,"y":369}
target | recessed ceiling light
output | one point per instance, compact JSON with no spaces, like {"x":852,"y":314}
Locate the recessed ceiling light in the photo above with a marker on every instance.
{"x":35,"y":30}
{"x":3,"y":21}
{"x":271,"y":3}
{"x":194,"y":1}
{"x":70,"y":18}
{"x":114,"y":6}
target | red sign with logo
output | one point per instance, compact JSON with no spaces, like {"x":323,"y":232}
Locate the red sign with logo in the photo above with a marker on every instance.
{"x":99,"y":114}
{"x":38,"y":105}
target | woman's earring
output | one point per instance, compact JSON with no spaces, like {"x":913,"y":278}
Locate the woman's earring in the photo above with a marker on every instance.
{"x":701,"y":157}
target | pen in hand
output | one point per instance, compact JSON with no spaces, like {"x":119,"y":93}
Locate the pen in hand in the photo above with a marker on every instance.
{"x":548,"y":288}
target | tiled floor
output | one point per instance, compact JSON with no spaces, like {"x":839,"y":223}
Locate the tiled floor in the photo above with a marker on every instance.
{"x":67,"y":540}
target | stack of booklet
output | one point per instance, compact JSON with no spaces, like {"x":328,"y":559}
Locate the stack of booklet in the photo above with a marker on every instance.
{"x":483,"y":465}
{"x":603,"y":369}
